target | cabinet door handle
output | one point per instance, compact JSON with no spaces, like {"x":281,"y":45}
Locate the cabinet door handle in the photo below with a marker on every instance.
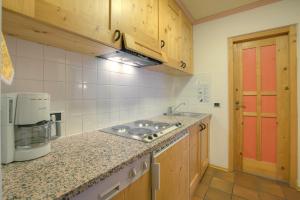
{"x":201,"y":127}
{"x":117,"y":35}
{"x":184,"y":65}
{"x":156,"y":176}
{"x":162,"y":44}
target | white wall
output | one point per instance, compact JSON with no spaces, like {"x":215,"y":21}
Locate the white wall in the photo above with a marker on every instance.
{"x":93,"y":93}
{"x":211,"y":63}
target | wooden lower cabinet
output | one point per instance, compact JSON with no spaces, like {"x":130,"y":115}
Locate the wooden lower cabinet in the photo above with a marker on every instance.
{"x":194,"y":157}
{"x":204,"y":138}
{"x":139,"y":190}
{"x":120,"y":196}
{"x":174,"y":172}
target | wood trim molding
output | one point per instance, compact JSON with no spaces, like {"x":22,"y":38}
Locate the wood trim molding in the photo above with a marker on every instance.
{"x":224,"y":13}
{"x":218,"y":168}
{"x":185,"y":11}
{"x":291,"y":32}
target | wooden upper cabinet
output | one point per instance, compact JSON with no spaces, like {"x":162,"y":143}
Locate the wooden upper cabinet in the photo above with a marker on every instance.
{"x":25,"y":7}
{"x":187,"y":44}
{"x":170,"y":31}
{"x":88,"y":18}
{"x":138,"y":20}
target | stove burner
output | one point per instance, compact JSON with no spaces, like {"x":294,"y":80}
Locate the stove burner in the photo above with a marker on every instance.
{"x":143,"y":123}
{"x":160,"y":125}
{"x":140,"y":131}
{"x":120,"y":128}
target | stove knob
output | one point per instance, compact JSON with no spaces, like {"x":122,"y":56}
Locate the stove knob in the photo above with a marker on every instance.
{"x":133,"y":173}
{"x":178,"y":124}
{"x":155,"y":135}
{"x":150,"y":137}
{"x":145,"y":165}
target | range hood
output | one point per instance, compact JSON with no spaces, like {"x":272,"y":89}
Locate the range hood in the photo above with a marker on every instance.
{"x":135,"y":53}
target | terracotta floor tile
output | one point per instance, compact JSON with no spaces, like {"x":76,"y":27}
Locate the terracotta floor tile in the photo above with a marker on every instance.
{"x":225,"y":176}
{"x":270,"y":187}
{"x":266,"y":196}
{"x":214,"y":194}
{"x":245,"y":180}
{"x":201,"y":190}
{"x":211,"y":171}
{"x":206,"y":179}
{"x":245,"y":192}
{"x":196,"y":198}
{"x":236,"y":198}
{"x":222,"y":185}
{"x":290,"y":193}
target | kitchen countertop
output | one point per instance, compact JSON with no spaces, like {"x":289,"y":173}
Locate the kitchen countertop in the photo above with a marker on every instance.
{"x":78,"y":162}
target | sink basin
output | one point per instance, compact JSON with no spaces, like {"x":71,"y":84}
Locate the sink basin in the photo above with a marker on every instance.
{"x":188,"y":114}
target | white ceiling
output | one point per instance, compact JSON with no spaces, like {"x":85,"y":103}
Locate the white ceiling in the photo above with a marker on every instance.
{"x":201,"y":9}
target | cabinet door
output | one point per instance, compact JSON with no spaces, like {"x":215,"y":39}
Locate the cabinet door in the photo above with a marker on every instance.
{"x":120,"y":196}
{"x":140,"y":189}
{"x":187,"y":45}
{"x":25,"y":7}
{"x":204,"y":148}
{"x":170,"y":31}
{"x":88,"y":18}
{"x":194,"y":153}
{"x":174,"y":172}
{"x":139,"y":19}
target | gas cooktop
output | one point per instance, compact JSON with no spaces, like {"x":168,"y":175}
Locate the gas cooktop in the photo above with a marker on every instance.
{"x":143,"y":130}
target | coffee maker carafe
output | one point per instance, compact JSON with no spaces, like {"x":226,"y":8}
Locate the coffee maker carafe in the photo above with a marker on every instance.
{"x":25,"y":126}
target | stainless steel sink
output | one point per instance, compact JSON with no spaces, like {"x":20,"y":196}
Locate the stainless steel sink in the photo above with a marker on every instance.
{"x":188,"y":114}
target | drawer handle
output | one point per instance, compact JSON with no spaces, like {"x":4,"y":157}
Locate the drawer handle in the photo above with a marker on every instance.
{"x":117,"y":35}
{"x":109,"y":193}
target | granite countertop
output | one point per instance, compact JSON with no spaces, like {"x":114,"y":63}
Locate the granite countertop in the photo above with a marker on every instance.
{"x":78,"y":162}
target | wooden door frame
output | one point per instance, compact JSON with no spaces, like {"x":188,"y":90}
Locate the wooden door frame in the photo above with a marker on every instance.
{"x":292,"y":34}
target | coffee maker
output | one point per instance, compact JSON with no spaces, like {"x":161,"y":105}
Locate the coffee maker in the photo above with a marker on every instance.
{"x":25,"y":126}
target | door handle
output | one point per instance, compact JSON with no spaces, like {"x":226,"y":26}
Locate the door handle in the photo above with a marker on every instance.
{"x":238,"y":106}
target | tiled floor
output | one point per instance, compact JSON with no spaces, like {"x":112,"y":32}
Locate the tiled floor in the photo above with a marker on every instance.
{"x":219,"y":185}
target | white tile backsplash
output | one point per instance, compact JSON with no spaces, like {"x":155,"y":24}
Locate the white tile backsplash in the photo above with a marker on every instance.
{"x":28,"y":68}
{"x":11,"y":43}
{"x":74,"y":74}
{"x":54,"y":71}
{"x":57,"y":90}
{"x":94,"y":93}
{"x":29,"y":49}
{"x":54,"y":54}
{"x":74,"y":59}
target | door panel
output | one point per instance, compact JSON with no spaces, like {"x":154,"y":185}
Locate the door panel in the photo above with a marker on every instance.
{"x":262,"y":107}
{"x":249,"y":69}
{"x":269,"y":137}
{"x":249,"y":137}
{"x":268,"y":68}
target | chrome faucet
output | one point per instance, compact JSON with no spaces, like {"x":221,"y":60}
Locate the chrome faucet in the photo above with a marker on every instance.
{"x":172,"y":109}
